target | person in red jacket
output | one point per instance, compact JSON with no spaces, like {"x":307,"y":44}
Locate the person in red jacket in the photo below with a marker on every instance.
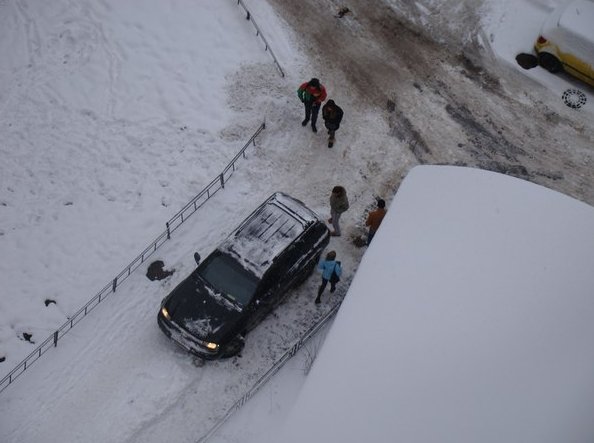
{"x":312,"y":94}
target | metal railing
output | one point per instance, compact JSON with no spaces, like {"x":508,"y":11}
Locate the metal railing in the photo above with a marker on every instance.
{"x":175,"y":222}
{"x":267,"y":47}
{"x":270,"y":373}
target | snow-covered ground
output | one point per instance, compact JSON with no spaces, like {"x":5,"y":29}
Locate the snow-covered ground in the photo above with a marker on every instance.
{"x":113,"y":115}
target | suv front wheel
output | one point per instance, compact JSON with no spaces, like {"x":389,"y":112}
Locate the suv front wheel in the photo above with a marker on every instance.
{"x":234,"y":347}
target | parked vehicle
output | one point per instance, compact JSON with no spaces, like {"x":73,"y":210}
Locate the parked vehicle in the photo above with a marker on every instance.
{"x":566,"y":41}
{"x":275,"y":249}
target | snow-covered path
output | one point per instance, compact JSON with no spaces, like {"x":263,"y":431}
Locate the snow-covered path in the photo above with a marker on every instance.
{"x":442,"y":106}
{"x":114,"y":116}
{"x":116,"y":370}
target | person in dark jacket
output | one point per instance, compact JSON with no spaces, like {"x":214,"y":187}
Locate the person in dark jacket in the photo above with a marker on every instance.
{"x":312,"y":94}
{"x":329,"y":266}
{"x":332,"y":115}
{"x":339,"y":203}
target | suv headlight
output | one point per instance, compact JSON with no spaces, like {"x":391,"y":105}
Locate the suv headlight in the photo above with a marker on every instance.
{"x":211,"y":346}
{"x":165,"y":313}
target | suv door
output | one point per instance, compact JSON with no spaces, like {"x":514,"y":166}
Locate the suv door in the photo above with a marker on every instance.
{"x":308,"y":250}
{"x":290,"y":263}
{"x":265,"y":298}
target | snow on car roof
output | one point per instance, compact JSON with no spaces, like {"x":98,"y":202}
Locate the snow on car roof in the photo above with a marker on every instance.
{"x":578,"y":18}
{"x":268,"y":231}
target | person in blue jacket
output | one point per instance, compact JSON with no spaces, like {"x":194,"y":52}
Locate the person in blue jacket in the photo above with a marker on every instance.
{"x":331,"y":271}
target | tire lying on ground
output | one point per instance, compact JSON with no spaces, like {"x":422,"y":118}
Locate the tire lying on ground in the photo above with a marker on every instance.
{"x":527,"y":61}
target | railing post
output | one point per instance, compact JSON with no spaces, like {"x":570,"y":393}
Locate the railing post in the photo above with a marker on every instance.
{"x":115,"y":284}
{"x":259,"y":34}
{"x":222,"y":178}
{"x":55,"y":339}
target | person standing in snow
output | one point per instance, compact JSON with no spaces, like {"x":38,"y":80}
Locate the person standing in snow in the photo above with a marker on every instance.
{"x":312,"y":94}
{"x":339,"y":203}
{"x":332,"y":115}
{"x":331,"y":271}
{"x":374,"y":219}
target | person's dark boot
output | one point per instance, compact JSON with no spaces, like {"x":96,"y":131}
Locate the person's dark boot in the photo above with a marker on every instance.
{"x":313,"y":128}
{"x":318,"y":298}
{"x":304,"y":122}
{"x":330,"y":142}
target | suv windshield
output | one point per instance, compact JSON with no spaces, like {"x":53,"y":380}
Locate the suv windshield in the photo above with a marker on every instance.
{"x":231,"y":279}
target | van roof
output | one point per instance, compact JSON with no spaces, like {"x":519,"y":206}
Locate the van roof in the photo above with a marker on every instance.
{"x":271,"y":228}
{"x":578,"y":18}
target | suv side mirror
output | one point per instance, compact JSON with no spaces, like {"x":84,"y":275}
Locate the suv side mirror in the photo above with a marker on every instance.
{"x":197,"y":258}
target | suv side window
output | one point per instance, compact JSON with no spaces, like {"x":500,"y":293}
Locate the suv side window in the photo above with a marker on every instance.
{"x":310,"y":238}
{"x":291,"y":256}
{"x":280,"y":273}
{"x":313,"y":236}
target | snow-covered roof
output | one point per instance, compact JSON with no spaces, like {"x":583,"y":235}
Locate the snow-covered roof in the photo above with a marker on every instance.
{"x":469,"y":319}
{"x":268,"y":231}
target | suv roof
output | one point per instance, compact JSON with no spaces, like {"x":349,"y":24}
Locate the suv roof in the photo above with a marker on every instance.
{"x":269,"y":230}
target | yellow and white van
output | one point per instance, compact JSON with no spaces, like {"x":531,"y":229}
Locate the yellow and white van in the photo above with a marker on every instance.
{"x":566,"y":41}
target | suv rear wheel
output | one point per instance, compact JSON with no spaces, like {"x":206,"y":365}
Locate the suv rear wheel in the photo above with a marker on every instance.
{"x":549,"y":62}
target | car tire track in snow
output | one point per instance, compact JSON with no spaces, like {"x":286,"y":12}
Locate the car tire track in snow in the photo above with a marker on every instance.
{"x":113,"y":58}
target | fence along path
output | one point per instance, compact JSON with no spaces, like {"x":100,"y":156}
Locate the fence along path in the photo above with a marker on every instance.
{"x":171,"y":225}
{"x":267,"y":48}
{"x":215,"y":185}
{"x":272,"y":371}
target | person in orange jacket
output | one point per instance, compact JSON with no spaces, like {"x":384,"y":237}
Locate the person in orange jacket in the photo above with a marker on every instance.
{"x":374,"y":219}
{"x":312,"y":94}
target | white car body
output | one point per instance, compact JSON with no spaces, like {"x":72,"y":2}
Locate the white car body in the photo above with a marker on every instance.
{"x":566,"y":40}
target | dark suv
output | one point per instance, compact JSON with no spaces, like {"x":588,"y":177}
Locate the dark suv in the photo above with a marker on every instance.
{"x":239,"y":283}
